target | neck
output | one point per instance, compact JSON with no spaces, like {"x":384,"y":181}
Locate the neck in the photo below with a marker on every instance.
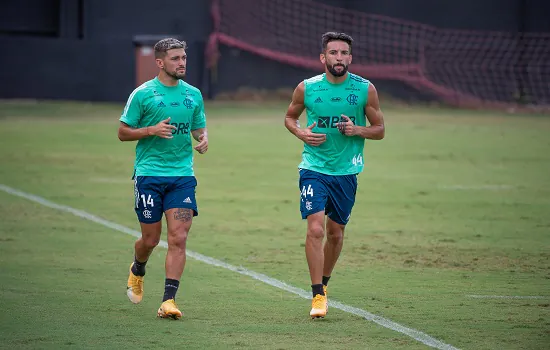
{"x":336,"y":80}
{"x":166,"y":79}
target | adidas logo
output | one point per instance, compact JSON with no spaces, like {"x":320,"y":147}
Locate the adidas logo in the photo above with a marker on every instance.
{"x":318,"y":100}
{"x":161,"y":104}
{"x":187,"y":200}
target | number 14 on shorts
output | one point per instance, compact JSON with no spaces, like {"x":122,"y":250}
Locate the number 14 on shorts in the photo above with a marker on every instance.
{"x":149,"y":201}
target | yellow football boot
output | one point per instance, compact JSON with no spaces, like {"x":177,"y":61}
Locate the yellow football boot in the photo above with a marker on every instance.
{"x":134,"y":290}
{"x":169,"y":309}
{"x":319,"y":306}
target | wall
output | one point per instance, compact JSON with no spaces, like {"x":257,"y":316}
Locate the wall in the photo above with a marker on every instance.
{"x":84,"y":50}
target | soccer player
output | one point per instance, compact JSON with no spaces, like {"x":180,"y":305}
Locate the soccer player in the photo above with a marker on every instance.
{"x":338,"y":105}
{"x":162,"y":114}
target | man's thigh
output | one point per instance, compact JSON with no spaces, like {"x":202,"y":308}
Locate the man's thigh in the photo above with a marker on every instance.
{"x":313,"y":193}
{"x":341,"y":197}
{"x":149,"y":195}
{"x":180,"y":193}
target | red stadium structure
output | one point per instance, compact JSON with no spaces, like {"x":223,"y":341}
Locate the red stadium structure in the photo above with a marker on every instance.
{"x":460,"y":67}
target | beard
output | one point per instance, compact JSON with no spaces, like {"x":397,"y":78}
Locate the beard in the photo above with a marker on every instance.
{"x":175,"y":74}
{"x":336,"y":73}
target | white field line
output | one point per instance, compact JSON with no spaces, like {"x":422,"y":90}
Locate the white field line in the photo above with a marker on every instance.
{"x":475,"y":296}
{"x":384,"y":322}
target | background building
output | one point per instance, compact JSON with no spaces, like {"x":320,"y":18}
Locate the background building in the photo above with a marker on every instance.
{"x":466,"y":53}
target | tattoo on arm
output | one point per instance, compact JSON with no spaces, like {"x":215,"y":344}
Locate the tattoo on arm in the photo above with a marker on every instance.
{"x":183,"y":214}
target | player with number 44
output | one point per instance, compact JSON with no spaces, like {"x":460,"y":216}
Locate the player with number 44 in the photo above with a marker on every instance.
{"x":338,"y":104}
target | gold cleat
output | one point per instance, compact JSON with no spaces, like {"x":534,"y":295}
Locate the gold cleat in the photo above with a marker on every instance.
{"x":319,"y":306}
{"x":169,"y":309}
{"x":134,"y":290}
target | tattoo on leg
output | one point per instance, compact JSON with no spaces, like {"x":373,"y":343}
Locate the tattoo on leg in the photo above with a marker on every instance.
{"x":183,"y":214}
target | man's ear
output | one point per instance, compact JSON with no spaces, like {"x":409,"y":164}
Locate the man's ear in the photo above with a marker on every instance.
{"x":160,"y":63}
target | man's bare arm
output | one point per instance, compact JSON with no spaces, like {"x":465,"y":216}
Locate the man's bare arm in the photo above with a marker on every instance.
{"x":292,"y":117}
{"x":127,"y":133}
{"x":201,"y":135}
{"x":162,"y":129}
{"x":198,"y":132}
{"x":376,"y":130}
{"x":294,"y":111}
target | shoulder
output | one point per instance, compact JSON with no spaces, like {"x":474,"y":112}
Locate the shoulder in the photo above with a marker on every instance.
{"x":363,"y":85}
{"x":142,"y":89}
{"x":315,"y":84}
{"x":372,"y":94}
{"x":298,"y":94}
{"x":359,"y":80}
{"x":313,"y":80}
{"x":190,"y":89}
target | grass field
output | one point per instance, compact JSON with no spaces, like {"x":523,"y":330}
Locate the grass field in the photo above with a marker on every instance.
{"x":451,"y":204}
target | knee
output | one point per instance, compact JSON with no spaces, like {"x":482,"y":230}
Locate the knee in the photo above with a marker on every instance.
{"x":151,"y":242}
{"x":316,"y":231}
{"x":178,"y":238}
{"x":335,"y":236}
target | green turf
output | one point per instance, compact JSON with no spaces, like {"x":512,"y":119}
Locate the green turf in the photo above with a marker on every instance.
{"x":451,"y":203}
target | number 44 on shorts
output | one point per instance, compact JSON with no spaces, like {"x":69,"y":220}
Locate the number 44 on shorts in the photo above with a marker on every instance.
{"x":308,"y":191}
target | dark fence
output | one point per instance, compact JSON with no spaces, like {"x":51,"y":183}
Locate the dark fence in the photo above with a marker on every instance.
{"x":86,"y":49}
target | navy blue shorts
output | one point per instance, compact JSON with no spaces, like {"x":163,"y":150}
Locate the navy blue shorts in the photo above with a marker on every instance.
{"x":333,"y":194}
{"x":156,"y":194}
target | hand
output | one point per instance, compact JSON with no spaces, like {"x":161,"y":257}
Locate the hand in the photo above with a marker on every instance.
{"x":202,"y":146}
{"x":311,"y":138}
{"x":346,"y":126}
{"x":162,"y":129}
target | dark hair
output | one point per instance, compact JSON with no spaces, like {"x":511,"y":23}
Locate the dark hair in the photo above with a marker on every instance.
{"x":168,"y":44}
{"x":333,"y":36}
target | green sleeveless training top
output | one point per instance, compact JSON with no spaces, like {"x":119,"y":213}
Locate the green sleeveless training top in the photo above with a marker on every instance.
{"x":325,"y":102}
